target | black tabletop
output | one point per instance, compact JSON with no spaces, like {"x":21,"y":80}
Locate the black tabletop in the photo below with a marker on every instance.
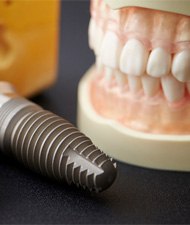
{"x":137,"y":196}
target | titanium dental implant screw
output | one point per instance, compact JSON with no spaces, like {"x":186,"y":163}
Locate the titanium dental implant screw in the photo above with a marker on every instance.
{"x":51,"y":145}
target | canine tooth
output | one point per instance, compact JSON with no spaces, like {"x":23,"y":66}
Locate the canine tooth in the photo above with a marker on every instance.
{"x":134,"y":84}
{"x":92,"y":33}
{"x":159,"y":63}
{"x":151,"y":85}
{"x":121,"y":78}
{"x":134,"y":58}
{"x":110,"y":50}
{"x":172,"y":88}
{"x":181,"y":66}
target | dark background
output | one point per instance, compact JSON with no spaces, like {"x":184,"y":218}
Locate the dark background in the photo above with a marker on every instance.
{"x":138,"y":195}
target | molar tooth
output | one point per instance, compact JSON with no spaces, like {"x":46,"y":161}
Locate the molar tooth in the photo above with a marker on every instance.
{"x":159,"y":63}
{"x":134,"y":84}
{"x":110,"y":50}
{"x":99,"y":65}
{"x":108,"y":74}
{"x":92,"y":33}
{"x":98,"y":40}
{"x":133,"y":58}
{"x":172,"y":88}
{"x":181,"y":66}
{"x":151,"y":85}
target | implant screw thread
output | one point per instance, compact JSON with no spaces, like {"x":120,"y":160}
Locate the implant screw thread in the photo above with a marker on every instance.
{"x":52,"y":146}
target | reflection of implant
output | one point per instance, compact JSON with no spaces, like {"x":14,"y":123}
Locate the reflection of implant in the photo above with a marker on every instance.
{"x":51,"y":145}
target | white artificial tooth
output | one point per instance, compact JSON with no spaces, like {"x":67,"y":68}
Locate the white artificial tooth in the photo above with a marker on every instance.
{"x":99,"y":65}
{"x":121,"y":78}
{"x":151,"y":85}
{"x":134,"y":84}
{"x":159,"y":63}
{"x":108,"y":74}
{"x":172,"y":88}
{"x":134,"y":58}
{"x":98,"y":41}
{"x":181,"y":66}
{"x":110,"y":50}
{"x":92,"y":33}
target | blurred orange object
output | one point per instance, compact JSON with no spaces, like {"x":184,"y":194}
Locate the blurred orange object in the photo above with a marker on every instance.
{"x":29,"y":44}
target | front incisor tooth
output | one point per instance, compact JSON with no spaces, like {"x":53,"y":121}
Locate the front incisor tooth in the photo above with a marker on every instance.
{"x":110,"y":50}
{"x":159,"y":63}
{"x":151,"y":85}
{"x":173,"y":89}
{"x":181,"y":66}
{"x":134,"y":84}
{"x":134,"y":58}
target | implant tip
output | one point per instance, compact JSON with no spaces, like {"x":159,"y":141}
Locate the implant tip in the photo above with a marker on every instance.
{"x":106,"y":179}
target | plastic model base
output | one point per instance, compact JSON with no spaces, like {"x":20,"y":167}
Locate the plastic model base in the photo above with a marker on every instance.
{"x":168,"y":152}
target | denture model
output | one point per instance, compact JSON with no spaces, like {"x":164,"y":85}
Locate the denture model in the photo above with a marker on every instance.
{"x":135,"y":101}
{"x":28,"y":44}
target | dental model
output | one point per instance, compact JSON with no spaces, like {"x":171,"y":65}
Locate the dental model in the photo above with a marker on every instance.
{"x":135,"y":101}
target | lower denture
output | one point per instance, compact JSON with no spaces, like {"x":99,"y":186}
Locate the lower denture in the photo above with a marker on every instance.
{"x":139,"y":112}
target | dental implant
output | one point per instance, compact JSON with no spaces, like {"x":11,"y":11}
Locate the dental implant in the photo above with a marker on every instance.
{"x":50,"y":145}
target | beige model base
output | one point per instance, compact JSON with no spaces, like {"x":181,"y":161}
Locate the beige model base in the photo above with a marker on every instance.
{"x":175,"y":6}
{"x":169,"y":152}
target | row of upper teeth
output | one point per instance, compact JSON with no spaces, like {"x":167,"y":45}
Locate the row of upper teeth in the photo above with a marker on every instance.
{"x":134,"y":59}
{"x":173,"y":90}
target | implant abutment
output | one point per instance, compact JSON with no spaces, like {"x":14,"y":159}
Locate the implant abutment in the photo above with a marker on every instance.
{"x":52,"y":146}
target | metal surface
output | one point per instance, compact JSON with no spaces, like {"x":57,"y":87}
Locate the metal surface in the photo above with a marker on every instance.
{"x":52,"y":146}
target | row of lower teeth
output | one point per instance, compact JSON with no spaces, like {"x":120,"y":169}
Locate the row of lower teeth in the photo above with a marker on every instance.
{"x":172,"y":89}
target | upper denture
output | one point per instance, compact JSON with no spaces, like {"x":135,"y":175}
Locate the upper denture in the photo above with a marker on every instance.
{"x":152,"y":27}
